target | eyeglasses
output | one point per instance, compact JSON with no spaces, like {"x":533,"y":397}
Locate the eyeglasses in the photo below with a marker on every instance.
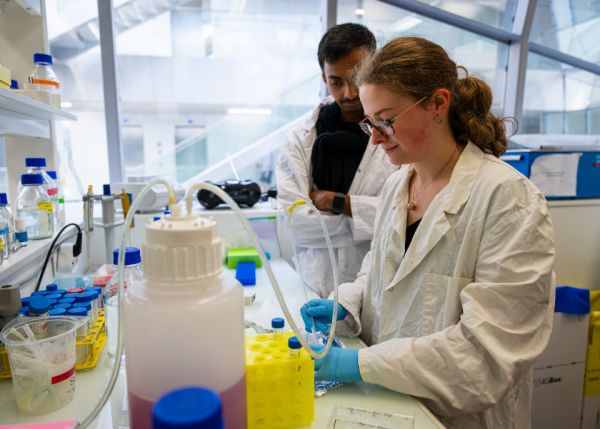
{"x":384,"y":126}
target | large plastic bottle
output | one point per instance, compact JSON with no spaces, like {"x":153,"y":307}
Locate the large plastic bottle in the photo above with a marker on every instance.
{"x":132,"y":272}
{"x":35,"y":208}
{"x":6,"y":214}
{"x":60,"y":200}
{"x":184,"y":323}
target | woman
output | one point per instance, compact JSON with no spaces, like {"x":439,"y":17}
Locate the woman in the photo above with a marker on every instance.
{"x":455,"y":297}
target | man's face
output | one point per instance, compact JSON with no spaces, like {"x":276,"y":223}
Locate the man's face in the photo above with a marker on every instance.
{"x":337,"y":76}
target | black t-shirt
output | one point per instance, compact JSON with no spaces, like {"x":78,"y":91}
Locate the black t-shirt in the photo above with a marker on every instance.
{"x":410,"y":233}
{"x":337,"y":151}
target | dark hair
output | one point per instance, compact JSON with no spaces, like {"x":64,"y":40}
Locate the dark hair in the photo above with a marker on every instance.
{"x":342,"y":39}
{"x":416,"y":67}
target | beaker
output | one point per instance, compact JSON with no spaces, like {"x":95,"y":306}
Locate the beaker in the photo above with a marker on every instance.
{"x":43,"y":368}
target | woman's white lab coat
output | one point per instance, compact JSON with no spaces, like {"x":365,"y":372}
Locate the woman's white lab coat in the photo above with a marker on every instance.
{"x":459,"y":319}
{"x":350,"y":236}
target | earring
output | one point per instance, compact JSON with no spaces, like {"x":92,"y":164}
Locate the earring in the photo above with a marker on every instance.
{"x":438,"y":120}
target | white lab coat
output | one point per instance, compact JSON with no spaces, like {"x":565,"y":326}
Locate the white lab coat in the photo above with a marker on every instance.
{"x":350,"y":236}
{"x":459,"y":319}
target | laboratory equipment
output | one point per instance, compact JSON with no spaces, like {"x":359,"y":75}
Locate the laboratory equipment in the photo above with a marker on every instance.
{"x":187,"y":408}
{"x":277,"y":325}
{"x":185,"y":306}
{"x":245,"y":273}
{"x":10,"y":303}
{"x":245,"y":192}
{"x":43,"y":80}
{"x":35,"y":208}
{"x":42,"y":366}
{"x":39,"y":306}
{"x":154,"y":200}
{"x":351,"y":417}
{"x":10,"y":221}
{"x":561,"y":166}
{"x":279,"y":382}
{"x":244,"y":254}
{"x":109,"y":221}
{"x":60,"y":210}
{"x":131,"y":273}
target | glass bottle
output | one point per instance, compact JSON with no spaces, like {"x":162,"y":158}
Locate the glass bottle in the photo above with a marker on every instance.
{"x":35,"y":208}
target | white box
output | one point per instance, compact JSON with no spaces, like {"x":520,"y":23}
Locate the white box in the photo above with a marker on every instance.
{"x":590,"y":414}
{"x":568,"y":341}
{"x":557,"y":396}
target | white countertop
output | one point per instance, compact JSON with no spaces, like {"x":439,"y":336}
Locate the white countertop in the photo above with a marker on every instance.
{"x":90,"y":384}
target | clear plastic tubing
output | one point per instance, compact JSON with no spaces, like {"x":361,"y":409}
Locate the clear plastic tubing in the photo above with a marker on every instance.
{"x":35,"y":208}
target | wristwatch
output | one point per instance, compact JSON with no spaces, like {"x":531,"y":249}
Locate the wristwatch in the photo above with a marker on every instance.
{"x":338,"y":203}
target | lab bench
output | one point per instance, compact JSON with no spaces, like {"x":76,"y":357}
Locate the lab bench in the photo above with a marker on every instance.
{"x":91,"y":383}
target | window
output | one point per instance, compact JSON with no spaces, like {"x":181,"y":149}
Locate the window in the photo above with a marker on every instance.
{"x":561,"y":96}
{"x":481,"y":56}
{"x":568,"y":26}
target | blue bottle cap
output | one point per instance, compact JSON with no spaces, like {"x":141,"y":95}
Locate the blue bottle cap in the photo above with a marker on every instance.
{"x":14,"y":84}
{"x":67,"y":301}
{"x":277,"y":323}
{"x":188,"y":408}
{"x":51,"y":301}
{"x":57,"y":312}
{"x":39,"y":305}
{"x":65,"y":305}
{"x":42,"y":58}
{"x":25,"y":301}
{"x":155,"y":218}
{"x":97,"y":289}
{"x":55,"y":296}
{"x":51,"y":287}
{"x":133,"y":256}
{"x":61,"y":292}
{"x":3,"y":199}
{"x":294,"y":343}
{"x":24,"y":310}
{"x":106,"y":189}
{"x":32,"y":179}
{"x":85,"y":304}
{"x":52,"y":174}
{"x":167,"y":212}
{"x":39,"y":293}
{"x":77,"y":311}
{"x":35,"y":162}
{"x":87,"y":296}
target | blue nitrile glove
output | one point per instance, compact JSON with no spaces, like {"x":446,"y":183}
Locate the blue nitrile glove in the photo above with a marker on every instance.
{"x":321,"y":310}
{"x":339,"y":365}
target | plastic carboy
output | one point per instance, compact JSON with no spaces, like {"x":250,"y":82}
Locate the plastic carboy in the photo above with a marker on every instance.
{"x":184,"y":322}
{"x":35,"y":208}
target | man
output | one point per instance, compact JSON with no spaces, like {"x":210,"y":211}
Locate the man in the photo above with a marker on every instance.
{"x":328,"y":161}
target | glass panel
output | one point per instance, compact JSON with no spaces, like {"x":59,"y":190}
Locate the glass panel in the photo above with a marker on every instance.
{"x":206,"y":79}
{"x":74,"y":37}
{"x":563,"y":98}
{"x":495,"y":13}
{"x":481,"y":56}
{"x":569,"y":26}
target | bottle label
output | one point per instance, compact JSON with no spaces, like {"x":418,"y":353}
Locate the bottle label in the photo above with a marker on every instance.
{"x":61,"y":201}
{"x":45,"y":82}
{"x":47,"y":207}
{"x":3,"y":231}
{"x":52,"y":191}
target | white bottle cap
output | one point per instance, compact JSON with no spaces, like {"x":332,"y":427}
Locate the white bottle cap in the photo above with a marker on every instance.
{"x":181,"y":248}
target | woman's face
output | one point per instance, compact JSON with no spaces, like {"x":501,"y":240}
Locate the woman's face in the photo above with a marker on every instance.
{"x":411,"y":131}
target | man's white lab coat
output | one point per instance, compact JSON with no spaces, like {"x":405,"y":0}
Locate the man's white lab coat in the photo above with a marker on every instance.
{"x":459,"y":319}
{"x":350,"y":236}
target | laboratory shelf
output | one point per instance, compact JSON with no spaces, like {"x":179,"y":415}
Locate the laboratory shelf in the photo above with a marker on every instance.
{"x":23,"y":116}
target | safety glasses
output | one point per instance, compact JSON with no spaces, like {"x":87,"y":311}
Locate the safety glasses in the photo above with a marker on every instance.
{"x":384,"y":126}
